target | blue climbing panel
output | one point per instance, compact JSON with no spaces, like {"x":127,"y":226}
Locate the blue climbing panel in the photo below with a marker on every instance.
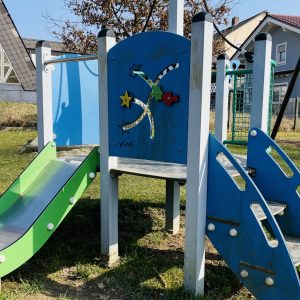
{"x":238,"y":235}
{"x":148,"y":80}
{"x":75,"y":103}
{"x":275,"y":183}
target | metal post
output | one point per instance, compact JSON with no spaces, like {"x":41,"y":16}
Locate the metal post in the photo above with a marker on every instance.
{"x":261,"y":81}
{"x":198,"y":139}
{"x":230,"y":111}
{"x":44,"y":94}
{"x":176,"y":16}
{"x":222,"y":93}
{"x":109,"y":183}
{"x":296,"y":116}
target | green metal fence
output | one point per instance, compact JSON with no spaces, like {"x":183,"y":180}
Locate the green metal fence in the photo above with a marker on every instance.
{"x":241,"y":104}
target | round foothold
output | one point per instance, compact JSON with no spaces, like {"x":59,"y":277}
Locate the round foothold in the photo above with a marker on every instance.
{"x":233,"y":232}
{"x":244,"y":274}
{"x":269,"y":150}
{"x":281,"y":213}
{"x":2,"y":259}
{"x":72,"y":200}
{"x":92,"y":175}
{"x":253,"y":132}
{"x":50,"y":226}
{"x":269,"y":281}
{"x":53,"y":144}
{"x":211,"y":227}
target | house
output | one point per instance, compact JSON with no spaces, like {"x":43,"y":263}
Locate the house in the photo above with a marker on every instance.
{"x":17,"y":61}
{"x":239,"y":31}
{"x":285,"y":32}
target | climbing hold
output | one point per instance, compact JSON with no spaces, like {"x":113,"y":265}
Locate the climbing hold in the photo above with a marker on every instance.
{"x":281,"y":213}
{"x":92,"y":175}
{"x":156,"y":92}
{"x":269,"y":281}
{"x":244,"y":274}
{"x":169,"y":98}
{"x":233,"y":232}
{"x":253,"y":132}
{"x":2,"y":259}
{"x":126,"y":100}
{"x":72,"y":200}
{"x":211,"y":227}
{"x":50,"y":226}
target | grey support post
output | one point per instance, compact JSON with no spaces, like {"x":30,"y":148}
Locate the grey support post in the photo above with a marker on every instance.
{"x":109,"y":183}
{"x":176,"y":23}
{"x":176,"y":16}
{"x":261,"y":81}
{"x":44,"y":94}
{"x":222,"y":94}
{"x":172,"y":206}
{"x":198,"y":141}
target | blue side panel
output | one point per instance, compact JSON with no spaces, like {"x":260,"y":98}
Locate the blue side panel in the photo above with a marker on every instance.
{"x":75,"y":103}
{"x":151,"y":73}
{"x":272,"y":181}
{"x":229,"y":207}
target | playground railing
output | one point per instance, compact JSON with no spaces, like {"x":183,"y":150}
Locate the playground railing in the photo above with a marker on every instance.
{"x":71,"y":59}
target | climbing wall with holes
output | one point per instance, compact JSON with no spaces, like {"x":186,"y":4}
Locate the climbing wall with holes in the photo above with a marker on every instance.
{"x":148,"y":76}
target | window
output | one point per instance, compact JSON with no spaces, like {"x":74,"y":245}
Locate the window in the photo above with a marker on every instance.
{"x":281,"y":50}
{"x":7,"y":73}
{"x":279,"y":92}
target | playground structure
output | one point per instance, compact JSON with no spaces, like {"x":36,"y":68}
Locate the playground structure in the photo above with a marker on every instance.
{"x":241,"y":81}
{"x":154,"y":121}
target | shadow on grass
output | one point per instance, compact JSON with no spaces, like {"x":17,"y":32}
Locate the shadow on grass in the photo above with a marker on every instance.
{"x":150,"y":270}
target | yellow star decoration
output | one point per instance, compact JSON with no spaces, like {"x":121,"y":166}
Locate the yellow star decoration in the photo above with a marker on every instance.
{"x":126,"y":99}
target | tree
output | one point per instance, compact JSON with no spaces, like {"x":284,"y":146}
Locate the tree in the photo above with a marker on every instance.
{"x":127,"y":17}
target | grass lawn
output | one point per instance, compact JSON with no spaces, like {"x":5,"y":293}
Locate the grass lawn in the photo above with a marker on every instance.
{"x":69,"y":265}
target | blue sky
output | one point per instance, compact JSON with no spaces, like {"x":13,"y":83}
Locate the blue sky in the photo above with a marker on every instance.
{"x":28,"y":14}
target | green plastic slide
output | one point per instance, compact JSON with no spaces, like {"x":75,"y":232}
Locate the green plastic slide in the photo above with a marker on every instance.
{"x":36,"y":203}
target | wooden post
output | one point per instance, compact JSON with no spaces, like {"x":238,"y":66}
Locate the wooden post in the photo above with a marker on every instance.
{"x":44,"y":94}
{"x":296,"y":116}
{"x":172,"y":206}
{"x":109,"y":183}
{"x":176,"y":23}
{"x":198,"y":140}
{"x":222,"y":90}
{"x":176,"y":16}
{"x":261,"y":81}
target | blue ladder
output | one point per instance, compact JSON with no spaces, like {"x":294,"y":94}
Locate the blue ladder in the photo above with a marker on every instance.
{"x":243,"y":225}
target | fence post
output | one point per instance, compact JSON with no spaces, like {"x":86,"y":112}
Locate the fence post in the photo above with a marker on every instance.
{"x":222,"y":93}
{"x":198,"y":140}
{"x":109,"y":183}
{"x":296,"y":116}
{"x":261,"y":81}
{"x":176,"y":16}
{"x":44,"y":94}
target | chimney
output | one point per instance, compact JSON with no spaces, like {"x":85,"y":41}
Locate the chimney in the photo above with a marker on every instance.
{"x":235,"y":20}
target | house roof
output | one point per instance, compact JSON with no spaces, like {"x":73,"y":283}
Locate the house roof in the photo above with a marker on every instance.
{"x":291,"y":20}
{"x":15,"y":50}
